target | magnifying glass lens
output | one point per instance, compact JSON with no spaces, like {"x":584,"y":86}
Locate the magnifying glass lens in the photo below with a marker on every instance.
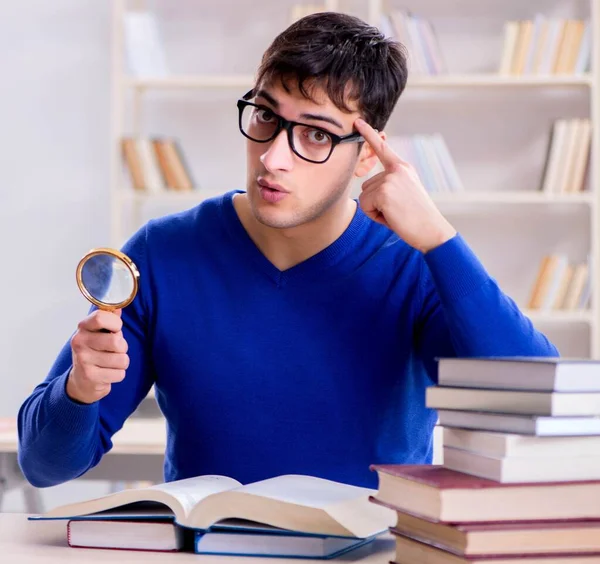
{"x":107,"y":278}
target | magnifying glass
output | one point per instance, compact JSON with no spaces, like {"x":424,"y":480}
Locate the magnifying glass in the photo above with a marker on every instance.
{"x":107,"y":278}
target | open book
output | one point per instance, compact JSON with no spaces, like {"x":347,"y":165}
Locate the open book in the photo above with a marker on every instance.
{"x":302,"y":504}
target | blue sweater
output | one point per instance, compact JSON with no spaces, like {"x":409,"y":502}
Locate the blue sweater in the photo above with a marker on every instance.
{"x":320,"y":369}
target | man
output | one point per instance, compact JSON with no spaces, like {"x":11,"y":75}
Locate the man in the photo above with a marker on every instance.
{"x":286,"y":328}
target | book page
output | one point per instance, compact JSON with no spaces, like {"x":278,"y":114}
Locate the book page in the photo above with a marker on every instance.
{"x":179,"y":497}
{"x":306,"y":490}
{"x":190,"y":491}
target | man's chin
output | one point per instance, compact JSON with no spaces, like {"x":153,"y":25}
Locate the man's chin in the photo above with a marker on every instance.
{"x":274,"y":218}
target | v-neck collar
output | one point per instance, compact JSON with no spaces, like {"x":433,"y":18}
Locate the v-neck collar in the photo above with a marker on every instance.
{"x":319,"y":264}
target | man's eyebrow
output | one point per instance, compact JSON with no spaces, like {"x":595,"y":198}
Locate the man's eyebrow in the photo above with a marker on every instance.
{"x":318,"y":117}
{"x":264,"y":94}
{"x":321,"y":117}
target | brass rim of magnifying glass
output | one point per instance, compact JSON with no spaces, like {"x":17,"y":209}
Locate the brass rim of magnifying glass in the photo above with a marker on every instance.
{"x":126,"y":261}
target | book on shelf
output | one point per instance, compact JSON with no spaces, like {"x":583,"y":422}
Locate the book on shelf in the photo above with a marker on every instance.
{"x":420,"y":40}
{"x":284,"y":515}
{"x":546,"y":46}
{"x":432,"y":160}
{"x":157,"y":164}
{"x":567,"y":159}
{"x":560,"y":286}
{"x":144,"y":53}
{"x":300,"y":10}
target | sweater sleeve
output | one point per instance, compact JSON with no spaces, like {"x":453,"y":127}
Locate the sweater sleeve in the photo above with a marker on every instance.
{"x":59,"y":438}
{"x":464,"y":312}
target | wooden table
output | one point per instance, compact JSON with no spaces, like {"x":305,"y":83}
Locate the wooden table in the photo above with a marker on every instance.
{"x":137,"y":454}
{"x":28,"y":542}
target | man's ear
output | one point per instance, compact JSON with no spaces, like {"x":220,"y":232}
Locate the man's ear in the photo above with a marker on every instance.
{"x":367,"y":159}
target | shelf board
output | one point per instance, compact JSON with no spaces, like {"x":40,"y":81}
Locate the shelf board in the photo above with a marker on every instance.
{"x":486,"y":80}
{"x":525,"y":197}
{"x":184,"y":82}
{"x":435,"y":81}
{"x":191,"y":196}
{"x":577,"y":316}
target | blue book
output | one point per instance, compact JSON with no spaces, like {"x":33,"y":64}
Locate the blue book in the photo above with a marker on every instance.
{"x":234,"y":537}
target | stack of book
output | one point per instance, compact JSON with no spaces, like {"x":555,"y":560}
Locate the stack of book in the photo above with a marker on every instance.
{"x":546,"y":46}
{"x":566,"y":166}
{"x":430,"y":156}
{"x":156,"y":164}
{"x":291,"y":516}
{"x":561,"y":285}
{"x":419,"y":37}
{"x":520,"y":481}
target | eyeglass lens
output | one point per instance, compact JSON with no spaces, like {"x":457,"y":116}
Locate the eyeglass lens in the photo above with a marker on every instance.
{"x":261,"y":124}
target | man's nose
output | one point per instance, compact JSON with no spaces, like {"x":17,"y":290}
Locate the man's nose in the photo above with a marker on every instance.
{"x":279,"y":155}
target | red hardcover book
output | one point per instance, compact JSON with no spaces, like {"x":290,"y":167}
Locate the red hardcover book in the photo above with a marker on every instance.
{"x":440,"y":494}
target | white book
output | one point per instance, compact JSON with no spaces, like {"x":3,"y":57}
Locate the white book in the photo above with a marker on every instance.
{"x":555,"y":29}
{"x":562,"y":263}
{"x":556,"y":154}
{"x":386,"y":27}
{"x":582,"y":155}
{"x":449,"y":168}
{"x":499,"y":444}
{"x":510,"y":401}
{"x":426,"y":173}
{"x":585,"y":49}
{"x":417,"y":44}
{"x":143,"y":45}
{"x":152,"y":173}
{"x":399,"y":22}
{"x":433,"y":164}
{"x":511,"y":34}
{"x":552,"y":374}
{"x":425,"y":49}
{"x":540,"y":426}
{"x":434,"y":48}
{"x":569,"y":157}
{"x":541,"y":46}
{"x":587,"y":290}
{"x":536,"y":36}
{"x":507,"y":470}
{"x":576,"y":288}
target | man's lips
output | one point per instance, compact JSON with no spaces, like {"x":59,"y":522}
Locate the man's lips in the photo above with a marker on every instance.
{"x":271,"y":185}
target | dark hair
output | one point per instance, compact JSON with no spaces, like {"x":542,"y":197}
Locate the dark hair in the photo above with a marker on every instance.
{"x":348,"y":58}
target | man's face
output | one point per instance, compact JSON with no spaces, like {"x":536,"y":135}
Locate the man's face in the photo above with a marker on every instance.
{"x":284,"y":190}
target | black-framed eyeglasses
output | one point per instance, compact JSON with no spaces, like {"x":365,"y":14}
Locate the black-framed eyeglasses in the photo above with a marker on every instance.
{"x":313,"y":144}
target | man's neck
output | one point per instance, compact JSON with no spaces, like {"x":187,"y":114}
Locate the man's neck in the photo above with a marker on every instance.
{"x":286,"y":248}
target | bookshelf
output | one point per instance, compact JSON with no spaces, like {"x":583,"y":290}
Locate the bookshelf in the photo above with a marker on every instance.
{"x":501,"y":184}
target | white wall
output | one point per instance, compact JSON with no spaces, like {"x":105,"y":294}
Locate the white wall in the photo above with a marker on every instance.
{"x":54,"y":162}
